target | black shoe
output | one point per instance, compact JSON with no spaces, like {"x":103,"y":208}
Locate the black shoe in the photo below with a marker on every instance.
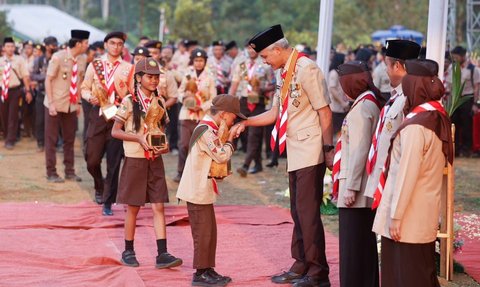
{"x":73,"y":177}
{"x":99,"y":196}
{"x":272,"y":164}
{"x":206,"y":279}
{"x":177,"y":178}
{"x":242,"y":171}
{"x":219,"y":277}
{"x":286,"y":277}
{"x":255,"y":170}
{"x":107,"y":210}
{"x":129,"y":259}
{"x":166,"y":260}
{"x":308,"y":281}
{"x":55,"y":179}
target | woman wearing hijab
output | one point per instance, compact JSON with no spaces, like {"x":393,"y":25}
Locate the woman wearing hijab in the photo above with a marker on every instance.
{"x":339,"y":102}
{"x":358,"y":244}
{"x":407,"y":217}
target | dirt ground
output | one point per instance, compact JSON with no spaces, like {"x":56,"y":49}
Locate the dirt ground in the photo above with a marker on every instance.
{"x":22,"y":179}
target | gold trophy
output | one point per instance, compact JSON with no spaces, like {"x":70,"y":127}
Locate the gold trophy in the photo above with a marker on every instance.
{"x":108,"y":109}
{"x":192,"y":88}
{"x":155,"y":138}
{"x":221,"y":170}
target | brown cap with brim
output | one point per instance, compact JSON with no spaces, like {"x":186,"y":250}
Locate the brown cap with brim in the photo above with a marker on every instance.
{"x":227,"y":103}
{"x":148,"y":66}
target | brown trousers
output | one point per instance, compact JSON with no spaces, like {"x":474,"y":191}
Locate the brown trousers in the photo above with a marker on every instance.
{"x":9,"y":110}
{"x":186,"y":131}
{"x":67,"y":122}
{"x":308,"y":240}
{"x":204,"y":233}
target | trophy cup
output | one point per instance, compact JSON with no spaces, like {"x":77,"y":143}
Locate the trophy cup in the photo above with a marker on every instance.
{"x":108,"y":109}
{"x":221,"y":170}
{"x":155,"y":138}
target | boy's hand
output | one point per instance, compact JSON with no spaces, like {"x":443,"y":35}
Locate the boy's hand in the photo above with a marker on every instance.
{"x":142,"y":140}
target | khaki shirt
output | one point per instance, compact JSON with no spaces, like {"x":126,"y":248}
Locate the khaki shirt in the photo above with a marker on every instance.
{"x":339,"y":101}
{"x":120,"y":79}
{"x":381,"y":79}
{"x":213,"y":64}
{"x":206,"y":85}
{"x":414,"y":186}
{"x":60,"y":69}
{"x":466,"y":78}
{"x":357,"y":130}
{"x":393,"y":119}
{"x":195,"y":186}
{"x":19,"y":65}
{"x":248,"y":69}
{"x":168,"y":84}
{"x":180,"y":62}
{"x":304,"y":133}
{"x":125,"y":116}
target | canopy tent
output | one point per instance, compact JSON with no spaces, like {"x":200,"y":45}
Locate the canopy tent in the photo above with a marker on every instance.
{"x":35,"y":22}
{"x":397,"y":32}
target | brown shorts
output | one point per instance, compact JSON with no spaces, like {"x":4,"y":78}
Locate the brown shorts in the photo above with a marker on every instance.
{"x":142,"y":181}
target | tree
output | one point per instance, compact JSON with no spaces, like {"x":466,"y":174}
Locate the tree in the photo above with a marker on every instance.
{"x":192,"y":20}
{"x":5,"y":29}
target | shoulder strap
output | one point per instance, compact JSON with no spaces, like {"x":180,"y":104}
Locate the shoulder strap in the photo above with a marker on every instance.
{"x":197,"y":134}
{"x":98,"y":68}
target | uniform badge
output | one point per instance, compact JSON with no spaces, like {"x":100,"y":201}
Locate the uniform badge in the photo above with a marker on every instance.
{"x":64,"y":75}
{"x":296,"y":103}
{"x":389,"y":126}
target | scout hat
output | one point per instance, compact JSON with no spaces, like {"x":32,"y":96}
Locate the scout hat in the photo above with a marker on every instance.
{"x":265,"y":38}
{"x":142,"y":51}
{"x":230,"y":45}
{"x":424,"y":67}
{"x":198,"y":53}
{"x":79,"y":34}
{"x":50,"y":40}
{"x":153,"y":44}
{"x":117,"y":34}
{"x":402,"y":49}
{"x":227,"y":103}
{"x":148,"y":66}
{"x":8,"y":40}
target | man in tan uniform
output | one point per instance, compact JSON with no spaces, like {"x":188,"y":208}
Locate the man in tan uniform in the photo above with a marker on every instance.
{"x":219,"y":67}
{"x":109,"y":74}
{"x":307,"y":136}
{"x":407,"y":218}
{"x":13,"y":70}
{"x":65,"y":74}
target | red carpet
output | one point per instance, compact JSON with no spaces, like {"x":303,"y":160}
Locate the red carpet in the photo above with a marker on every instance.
{"x":60,"y":245}
{"x":469,"y":256}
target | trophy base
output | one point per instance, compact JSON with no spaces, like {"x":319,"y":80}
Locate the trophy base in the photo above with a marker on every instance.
{"x":190,"y":103}
{"x":157,"y":140}
{"x":109,"y":112}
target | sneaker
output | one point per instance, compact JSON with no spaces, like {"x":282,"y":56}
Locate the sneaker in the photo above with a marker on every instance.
{"x":99,"y":196}
{"x":73,"y":177}
{"x":55,"y":179}
{"x":166,"y":260}
{"x":107,"y":210}
{"x":219,"y":277}
{"x":129,"y":259}
{"x":206,"y":279}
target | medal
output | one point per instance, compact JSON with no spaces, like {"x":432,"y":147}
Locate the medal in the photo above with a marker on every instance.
{"x":389,"y":126}
{"x":64,"y":76}
{"x":296,"y":103}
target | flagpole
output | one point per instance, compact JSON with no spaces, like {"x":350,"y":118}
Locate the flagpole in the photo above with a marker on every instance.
{"x":325,"y":24}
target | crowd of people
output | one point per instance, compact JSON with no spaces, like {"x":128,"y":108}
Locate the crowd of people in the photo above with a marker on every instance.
{"x":382,"y":105}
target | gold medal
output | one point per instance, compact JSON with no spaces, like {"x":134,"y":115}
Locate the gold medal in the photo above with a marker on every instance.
{"x":296,"y":103}
{"x":64,"y":76}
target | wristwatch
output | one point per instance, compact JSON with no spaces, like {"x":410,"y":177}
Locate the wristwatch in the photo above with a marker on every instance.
{"x":328,"y":148}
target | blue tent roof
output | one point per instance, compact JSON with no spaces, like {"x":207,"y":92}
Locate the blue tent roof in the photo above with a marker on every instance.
{"x":397,"y":32}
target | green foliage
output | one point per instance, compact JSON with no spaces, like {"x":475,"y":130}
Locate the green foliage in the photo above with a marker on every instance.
{"x":455,"y":100}
{"x":193,"y":20}
{"x":5,"y":29}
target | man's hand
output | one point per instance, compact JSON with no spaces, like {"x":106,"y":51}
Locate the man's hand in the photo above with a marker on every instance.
{"x":349,"y":197}
{"x":329,"y":159}
{"x":395,"y":226}
{"x":240,"y":128}
{"x":52,"y":110}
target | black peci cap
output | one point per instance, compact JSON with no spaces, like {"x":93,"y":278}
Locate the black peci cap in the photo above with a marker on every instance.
{"x":265,"y":38}
{"x":218,"y":43}
{"x":79,"y":34}
{"x":230,"y":45}
{"x":50,"y":40}
{"x":141,"y":51}
{"x":153,"y":44}
{"x":459,"y":50}
{"x":117,"y":34}
{"x":402,"y":49}
{"x":353,"y":67}
{"x":8,"y":40}
{"x":422,"y":67}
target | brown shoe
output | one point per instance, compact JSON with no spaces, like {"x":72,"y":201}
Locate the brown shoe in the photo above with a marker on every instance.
{"x":286,"y":278}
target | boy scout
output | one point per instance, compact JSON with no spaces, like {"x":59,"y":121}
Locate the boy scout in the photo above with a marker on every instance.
{"x":14,"y":76}
{"x":219,"y":67}
{"x":307,"y":135}
{"x":65,"y":74}
{"x":110,"y":74}
{"x":391,"y":115}
{"x":251,"y":79}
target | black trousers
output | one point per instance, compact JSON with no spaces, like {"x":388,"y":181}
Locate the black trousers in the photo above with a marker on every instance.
{"x":9,"y":111}
{"x":172,"y":127}
{"x":243,"y":136}
{"x":100,"y":142}
{"x":86,"y":107}
{"x":308,"y":240}
{"x":463,"y":120}
{"x":204,"y":233}
{"x":28,"y":116}
{"x":40,"y":118}
{"x":186,"y":131}
{"x":255,"y":140}
{"x":358,"y":248}
{"x":406,"y":264}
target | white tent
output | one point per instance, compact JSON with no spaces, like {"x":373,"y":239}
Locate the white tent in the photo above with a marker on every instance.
{"x":35,"y":22}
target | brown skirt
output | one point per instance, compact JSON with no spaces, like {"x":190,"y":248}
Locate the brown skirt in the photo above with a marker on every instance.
{"x":142,"y":181}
